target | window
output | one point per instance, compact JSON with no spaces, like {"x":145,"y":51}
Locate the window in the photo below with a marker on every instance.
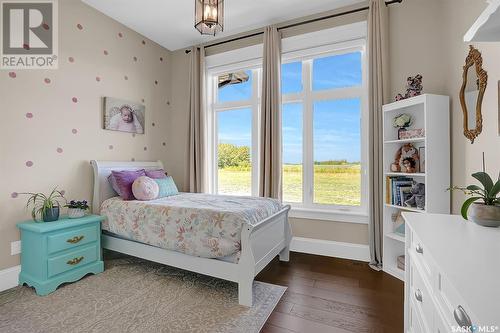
{"x":323,"y":118}
{"x":233,"y":122}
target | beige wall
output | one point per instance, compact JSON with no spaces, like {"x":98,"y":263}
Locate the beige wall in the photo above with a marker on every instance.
{"x":427,"y":37}
{"x":55,"y":115}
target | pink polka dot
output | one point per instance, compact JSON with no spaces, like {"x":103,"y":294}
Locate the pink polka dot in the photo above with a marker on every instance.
{"x":71,"y":59}
{"x":161,"y":58}
{"x":133,"y":135}
{"x":75,"y":100}
{"x":12,"y":75}
{"x":14,"y":195}
{"x":168,"y":102}
{"x":98,"y":79}
{"x":145,"y":148}
{"x":156,"y":82}
{"x":135,"y":58}
{"x":110,"y":147}
{"x":74,"y":131}
{"x":125,"y":77}
{"x":153,"y":124}
{"x":79,"y":26}
{"x":29,"y":164}
{"x":29,"y":115}
{"x":105,"y":52}
{"x":132,"y":159}
{"x":46,"y":26}
{"x":143,"y":42}
{"x":142,"y":100}
{"x":164,"y":143}
{"x":120,"y":35}
{"x":47,"y":80}
{"x":59,"y":150}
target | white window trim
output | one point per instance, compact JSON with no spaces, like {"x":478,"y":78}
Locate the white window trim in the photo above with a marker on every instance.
{"x":220,"y":64}
{"x":316,"y":46}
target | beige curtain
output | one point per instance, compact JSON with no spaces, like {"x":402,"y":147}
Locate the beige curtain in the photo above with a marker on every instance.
{"x":196,"y":120}
{"x":377,"y":95}
{"x":270,"y":122}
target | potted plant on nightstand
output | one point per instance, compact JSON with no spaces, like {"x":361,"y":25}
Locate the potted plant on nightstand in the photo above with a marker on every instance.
{"x":77,"y":209}
{"x":486,"y":213}
{"x":46,"y":207}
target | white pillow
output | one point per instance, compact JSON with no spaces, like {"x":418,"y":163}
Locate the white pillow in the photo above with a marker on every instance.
{"x":145,"y":188}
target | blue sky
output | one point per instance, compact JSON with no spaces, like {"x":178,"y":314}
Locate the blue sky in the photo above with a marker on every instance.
{"x":336,"y":123}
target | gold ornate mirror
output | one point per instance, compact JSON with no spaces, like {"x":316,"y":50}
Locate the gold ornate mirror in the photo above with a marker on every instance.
{"x":474,"y":83}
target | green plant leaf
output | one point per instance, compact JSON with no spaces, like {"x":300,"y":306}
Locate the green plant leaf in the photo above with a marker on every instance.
{"x":495,"y":189}
{"x":466,"y":205}
{"x":474,"y":188}
{"x":484,"y":179}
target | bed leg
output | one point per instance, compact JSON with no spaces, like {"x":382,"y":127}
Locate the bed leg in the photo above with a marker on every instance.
{"x":285,"y":254}
{"x":245,"y":292}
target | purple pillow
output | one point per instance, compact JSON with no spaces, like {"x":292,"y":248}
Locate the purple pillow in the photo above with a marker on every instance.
{"x":156,"y":174}
{"x":124,"y":180}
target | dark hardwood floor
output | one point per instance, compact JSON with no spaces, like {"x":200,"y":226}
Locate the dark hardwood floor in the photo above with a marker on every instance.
{"x":333,"y":295}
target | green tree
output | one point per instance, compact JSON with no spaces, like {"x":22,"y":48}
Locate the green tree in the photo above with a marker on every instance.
{"x":233,"y":156}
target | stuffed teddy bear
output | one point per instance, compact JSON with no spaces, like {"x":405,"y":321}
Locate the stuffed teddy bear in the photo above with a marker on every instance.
{"x":418,"y":196}
{"x":406,"y":159}
{"x":413,"y":87}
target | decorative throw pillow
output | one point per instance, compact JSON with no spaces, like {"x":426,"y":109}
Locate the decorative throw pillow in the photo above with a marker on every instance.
{"x":112,"y":182}
{"x":145,"y":188}
{"x":124,"y":180}
{"x":156,"y":174}
{"x":167,"y":187}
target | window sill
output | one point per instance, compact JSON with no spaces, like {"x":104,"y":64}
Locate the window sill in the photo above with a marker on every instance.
{"x":329,"y":215}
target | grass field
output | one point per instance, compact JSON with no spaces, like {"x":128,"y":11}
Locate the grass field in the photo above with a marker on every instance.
{"x":333,"y":184}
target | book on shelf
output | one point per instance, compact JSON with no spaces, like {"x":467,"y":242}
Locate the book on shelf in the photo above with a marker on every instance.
{"x":398,"y":189}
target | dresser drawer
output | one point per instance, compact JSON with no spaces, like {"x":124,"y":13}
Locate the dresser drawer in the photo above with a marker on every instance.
{"x":63,"y":263}
{"x":421,"y":254}
{"x":415,"y":320}
{"x":68,"y":239}
{"x":421,"y":296}
{"x":449,"y":300}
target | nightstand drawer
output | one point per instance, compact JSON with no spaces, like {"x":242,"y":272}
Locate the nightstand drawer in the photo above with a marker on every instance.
{"x":69,"y":261}
{"x":69,"y":239}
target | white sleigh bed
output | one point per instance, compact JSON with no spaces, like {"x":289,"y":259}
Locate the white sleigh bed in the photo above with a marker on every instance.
{"x":260,"y":243}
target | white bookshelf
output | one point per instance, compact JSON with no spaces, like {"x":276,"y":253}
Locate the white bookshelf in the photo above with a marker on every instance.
{"x":432,"y":113}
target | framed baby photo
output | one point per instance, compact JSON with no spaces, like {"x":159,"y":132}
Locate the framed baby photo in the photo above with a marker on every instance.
{"x":124,"y":116}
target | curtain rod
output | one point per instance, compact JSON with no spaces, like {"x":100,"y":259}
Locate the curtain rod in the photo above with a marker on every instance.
{"x":352,"y":11}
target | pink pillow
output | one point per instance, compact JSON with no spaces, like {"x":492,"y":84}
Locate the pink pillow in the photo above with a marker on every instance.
{"x":145,"y":188}
{"x":124,"y":180}
{"x":156,"y":174}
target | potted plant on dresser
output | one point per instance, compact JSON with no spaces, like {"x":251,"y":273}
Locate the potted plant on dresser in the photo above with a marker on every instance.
{"x":487,"y":212}
{"x":46,"y":207}
{"x":77,"y":209}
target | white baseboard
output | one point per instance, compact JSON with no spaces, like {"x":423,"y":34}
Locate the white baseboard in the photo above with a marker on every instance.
{"x":330,"y":248}
{"x":9,"y":278}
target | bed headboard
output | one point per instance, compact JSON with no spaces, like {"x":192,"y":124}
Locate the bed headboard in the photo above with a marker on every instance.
{"x":102,"y":169}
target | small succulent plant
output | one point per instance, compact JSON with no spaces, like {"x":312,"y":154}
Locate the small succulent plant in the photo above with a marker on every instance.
{"x":78,"y":204}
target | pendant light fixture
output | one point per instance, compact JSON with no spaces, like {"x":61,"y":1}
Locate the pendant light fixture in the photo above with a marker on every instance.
{"x":209,"y":16}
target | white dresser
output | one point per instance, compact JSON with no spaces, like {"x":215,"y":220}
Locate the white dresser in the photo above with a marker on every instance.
{"x":452,"y":276}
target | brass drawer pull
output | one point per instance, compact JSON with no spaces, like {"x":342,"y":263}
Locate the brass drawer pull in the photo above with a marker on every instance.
{"x":418,"y":295}
{"x":74,"y":261}
{"x":75,"y":239}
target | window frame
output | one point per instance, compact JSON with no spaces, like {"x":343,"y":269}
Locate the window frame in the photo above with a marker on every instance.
{"x":307,"y":97}
{"x":215,"y":107}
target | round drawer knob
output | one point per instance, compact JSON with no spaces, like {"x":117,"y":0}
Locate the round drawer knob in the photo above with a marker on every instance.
{"x":418,"y":295}
{"x":419,"y":249}
{"x":461,"y":317}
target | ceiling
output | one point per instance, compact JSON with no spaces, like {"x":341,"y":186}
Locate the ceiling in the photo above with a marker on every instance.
{"x":170,"y":23}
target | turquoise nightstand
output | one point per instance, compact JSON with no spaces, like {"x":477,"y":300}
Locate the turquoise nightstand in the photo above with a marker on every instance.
{"x":57,"y":252}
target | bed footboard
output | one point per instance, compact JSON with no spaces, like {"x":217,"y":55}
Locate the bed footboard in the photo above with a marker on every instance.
{"x":259,"y":245}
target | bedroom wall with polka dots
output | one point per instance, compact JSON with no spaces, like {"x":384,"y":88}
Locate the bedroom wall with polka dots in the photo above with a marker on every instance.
{"x":53,"y":119}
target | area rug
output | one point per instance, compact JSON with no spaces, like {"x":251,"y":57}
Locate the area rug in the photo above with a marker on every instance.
{"x":134,"y":295}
